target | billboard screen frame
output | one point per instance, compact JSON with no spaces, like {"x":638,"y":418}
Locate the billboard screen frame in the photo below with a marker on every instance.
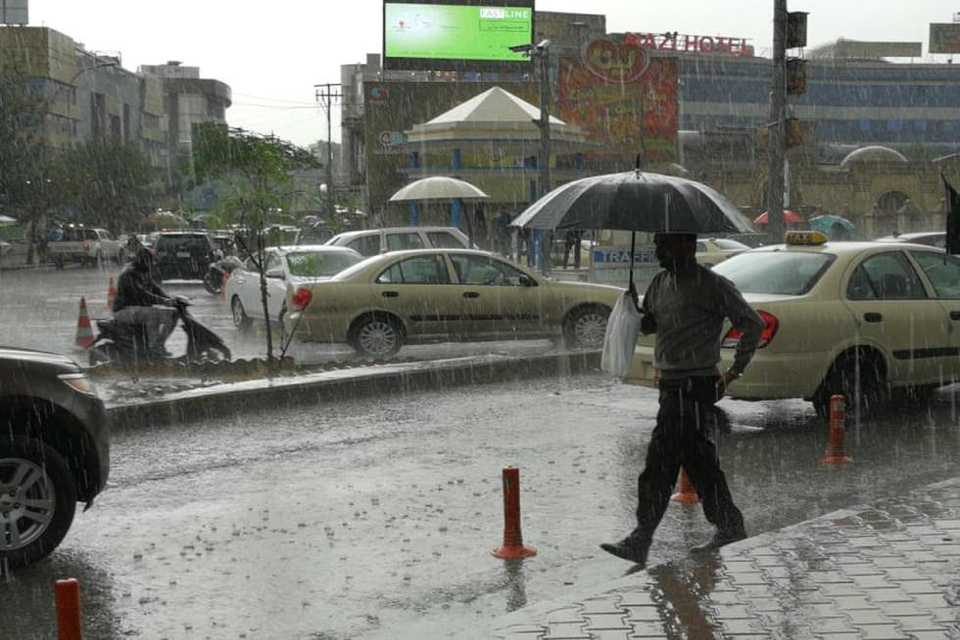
{"x":453,"y":64}
{"x":941,"y":38}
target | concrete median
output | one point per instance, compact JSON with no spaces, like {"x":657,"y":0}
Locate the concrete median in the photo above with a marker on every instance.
{"x":236,"y":398}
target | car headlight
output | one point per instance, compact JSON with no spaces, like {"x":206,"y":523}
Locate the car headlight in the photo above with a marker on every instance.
{"x":79,"y":382}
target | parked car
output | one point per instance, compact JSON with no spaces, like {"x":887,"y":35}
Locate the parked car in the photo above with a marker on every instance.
{"x":54,"y":451}
{"x":842,"y":317}
{"x":931,"y":238}
{"x":183,"y":255}
{"x":86,"y":245}
{"x":432,"y":295}
{"x":371,"y":242}
{"x":713,"y":251}
{"x":287,"y":268}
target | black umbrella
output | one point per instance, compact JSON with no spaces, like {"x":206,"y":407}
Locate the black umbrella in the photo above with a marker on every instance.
{"x":635,"y":201}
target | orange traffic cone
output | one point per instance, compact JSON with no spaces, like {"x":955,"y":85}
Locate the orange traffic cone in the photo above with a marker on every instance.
{"x":835,"y":453}
{"x":111,"y":293}
{"x":84,"y":332}
{"x":686,"y":492}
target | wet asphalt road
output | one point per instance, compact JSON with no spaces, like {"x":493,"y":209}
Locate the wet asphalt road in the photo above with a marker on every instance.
{"x":375,"y":518}
{"x":39,"y":310}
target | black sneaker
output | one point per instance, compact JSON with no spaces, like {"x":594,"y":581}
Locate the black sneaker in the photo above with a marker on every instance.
{"x":629,"y":549}
{"x":721,"y":539}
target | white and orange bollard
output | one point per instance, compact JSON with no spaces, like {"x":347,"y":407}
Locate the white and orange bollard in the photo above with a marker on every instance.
{"x":835,"y":450}
{"x":512,"y":547}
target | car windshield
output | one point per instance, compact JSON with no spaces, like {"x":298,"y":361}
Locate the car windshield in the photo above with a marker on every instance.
{"x":318,"y":264}
{"x":788,"y":273}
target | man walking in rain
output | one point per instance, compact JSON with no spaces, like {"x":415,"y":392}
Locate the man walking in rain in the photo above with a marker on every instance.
{"x":685,"y":305}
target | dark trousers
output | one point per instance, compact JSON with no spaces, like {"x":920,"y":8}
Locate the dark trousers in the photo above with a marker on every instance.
{"x":686,"y":418}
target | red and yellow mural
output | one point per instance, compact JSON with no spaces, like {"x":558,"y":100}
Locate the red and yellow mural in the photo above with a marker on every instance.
{"x":624,"y":99}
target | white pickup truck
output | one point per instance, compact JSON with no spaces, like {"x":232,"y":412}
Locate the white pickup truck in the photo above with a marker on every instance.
{"x":85,"y":245}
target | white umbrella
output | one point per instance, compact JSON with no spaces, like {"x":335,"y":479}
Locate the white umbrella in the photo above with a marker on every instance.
{"x":438,"y":188}
{"x":6,"y":219}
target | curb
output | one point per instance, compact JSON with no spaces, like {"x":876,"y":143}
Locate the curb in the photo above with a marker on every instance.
{"x":240,"y":397}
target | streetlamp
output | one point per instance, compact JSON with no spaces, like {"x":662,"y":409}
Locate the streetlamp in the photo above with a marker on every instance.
{"x":540,"y":52}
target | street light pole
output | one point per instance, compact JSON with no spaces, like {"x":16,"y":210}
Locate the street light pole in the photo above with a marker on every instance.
{"x":776,"y":140}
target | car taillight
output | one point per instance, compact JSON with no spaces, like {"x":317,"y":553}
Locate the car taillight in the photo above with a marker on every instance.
{"x":770,"y":326}
{"x":301,"y":298}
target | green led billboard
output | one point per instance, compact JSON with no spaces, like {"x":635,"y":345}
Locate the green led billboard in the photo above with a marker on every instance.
{"x":456,"y":32}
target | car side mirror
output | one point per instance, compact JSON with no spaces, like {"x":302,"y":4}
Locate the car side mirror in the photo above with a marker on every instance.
{"x":527,"y":281}
{"x":275,"y":273}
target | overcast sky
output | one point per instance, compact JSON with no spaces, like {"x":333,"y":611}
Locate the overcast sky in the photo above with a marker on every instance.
{"x":272,"y":53}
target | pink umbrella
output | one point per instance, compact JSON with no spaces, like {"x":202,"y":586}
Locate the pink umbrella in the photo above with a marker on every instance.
{"x":789,"y":217}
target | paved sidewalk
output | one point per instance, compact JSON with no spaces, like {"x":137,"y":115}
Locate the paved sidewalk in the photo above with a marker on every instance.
{"x":886,"y":571}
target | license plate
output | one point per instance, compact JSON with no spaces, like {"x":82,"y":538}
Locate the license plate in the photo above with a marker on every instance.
{"x":183,"y":254}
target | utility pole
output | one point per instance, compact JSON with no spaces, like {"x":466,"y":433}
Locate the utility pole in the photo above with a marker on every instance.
{"x":326,"y":94}
{"x":776,"y":126}
{"x":544,"y":59}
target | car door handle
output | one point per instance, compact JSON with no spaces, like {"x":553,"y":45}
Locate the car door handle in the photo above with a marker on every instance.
{"x":471,"y":294}
{"x":873,"y":317}
{"x":390,"y":294}
{"x":955,"y":315}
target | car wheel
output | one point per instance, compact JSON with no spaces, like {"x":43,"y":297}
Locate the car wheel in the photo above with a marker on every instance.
{"x":860,"y":378}
{"x":240,"y":318}
{"x":38,"y":498}
{"x":585,"y":327}
{"x":377,"y":336}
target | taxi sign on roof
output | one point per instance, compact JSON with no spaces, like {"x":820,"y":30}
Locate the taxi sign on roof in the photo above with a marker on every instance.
{"x":804,"y":237}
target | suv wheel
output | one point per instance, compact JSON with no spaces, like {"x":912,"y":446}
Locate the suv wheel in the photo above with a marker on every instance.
{"x":38,"y":499}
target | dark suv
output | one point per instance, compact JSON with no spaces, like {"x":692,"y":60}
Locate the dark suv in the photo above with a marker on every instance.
{"x":54,"y":451}
{"x":183,"y":255}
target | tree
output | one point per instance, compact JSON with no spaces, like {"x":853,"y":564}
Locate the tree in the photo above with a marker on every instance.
{"x":110,"y":183}
{"x":261,"y":186}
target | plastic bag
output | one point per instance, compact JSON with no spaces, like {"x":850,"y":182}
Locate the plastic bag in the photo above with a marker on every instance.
{"x":620,"y":340}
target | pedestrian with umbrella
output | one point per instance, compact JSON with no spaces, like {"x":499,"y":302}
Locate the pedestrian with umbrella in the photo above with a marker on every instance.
{"x":685,"y":305}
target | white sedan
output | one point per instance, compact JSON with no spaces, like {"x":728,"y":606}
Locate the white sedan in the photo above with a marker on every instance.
{"x":287,"y":268}
{"x":861,"y":319}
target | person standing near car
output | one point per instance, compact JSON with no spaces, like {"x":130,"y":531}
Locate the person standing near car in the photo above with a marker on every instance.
{"x":685,"y":305}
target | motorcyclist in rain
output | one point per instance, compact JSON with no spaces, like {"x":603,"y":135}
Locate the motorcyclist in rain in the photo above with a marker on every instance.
{"x":136,"y":304}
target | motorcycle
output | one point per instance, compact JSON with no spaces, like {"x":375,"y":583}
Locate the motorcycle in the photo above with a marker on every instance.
{"x":127,"y":344}
{"x":218,"y":270}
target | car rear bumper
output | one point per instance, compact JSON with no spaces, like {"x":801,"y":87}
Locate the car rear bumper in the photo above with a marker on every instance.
{"x":770,"y":375}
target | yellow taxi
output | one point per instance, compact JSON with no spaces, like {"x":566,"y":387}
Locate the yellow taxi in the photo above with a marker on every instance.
{"x":862,"y":319}
{"x":435,"y":295}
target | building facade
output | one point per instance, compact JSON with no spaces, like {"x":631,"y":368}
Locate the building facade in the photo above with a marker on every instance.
{"x":91,"y":96}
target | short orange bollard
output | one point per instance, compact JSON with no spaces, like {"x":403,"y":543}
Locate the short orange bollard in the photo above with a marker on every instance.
{"x":512,"y":548}
{"x":835,"y":452}
{"x":686,"y":492}
{"x":67,"y":595}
